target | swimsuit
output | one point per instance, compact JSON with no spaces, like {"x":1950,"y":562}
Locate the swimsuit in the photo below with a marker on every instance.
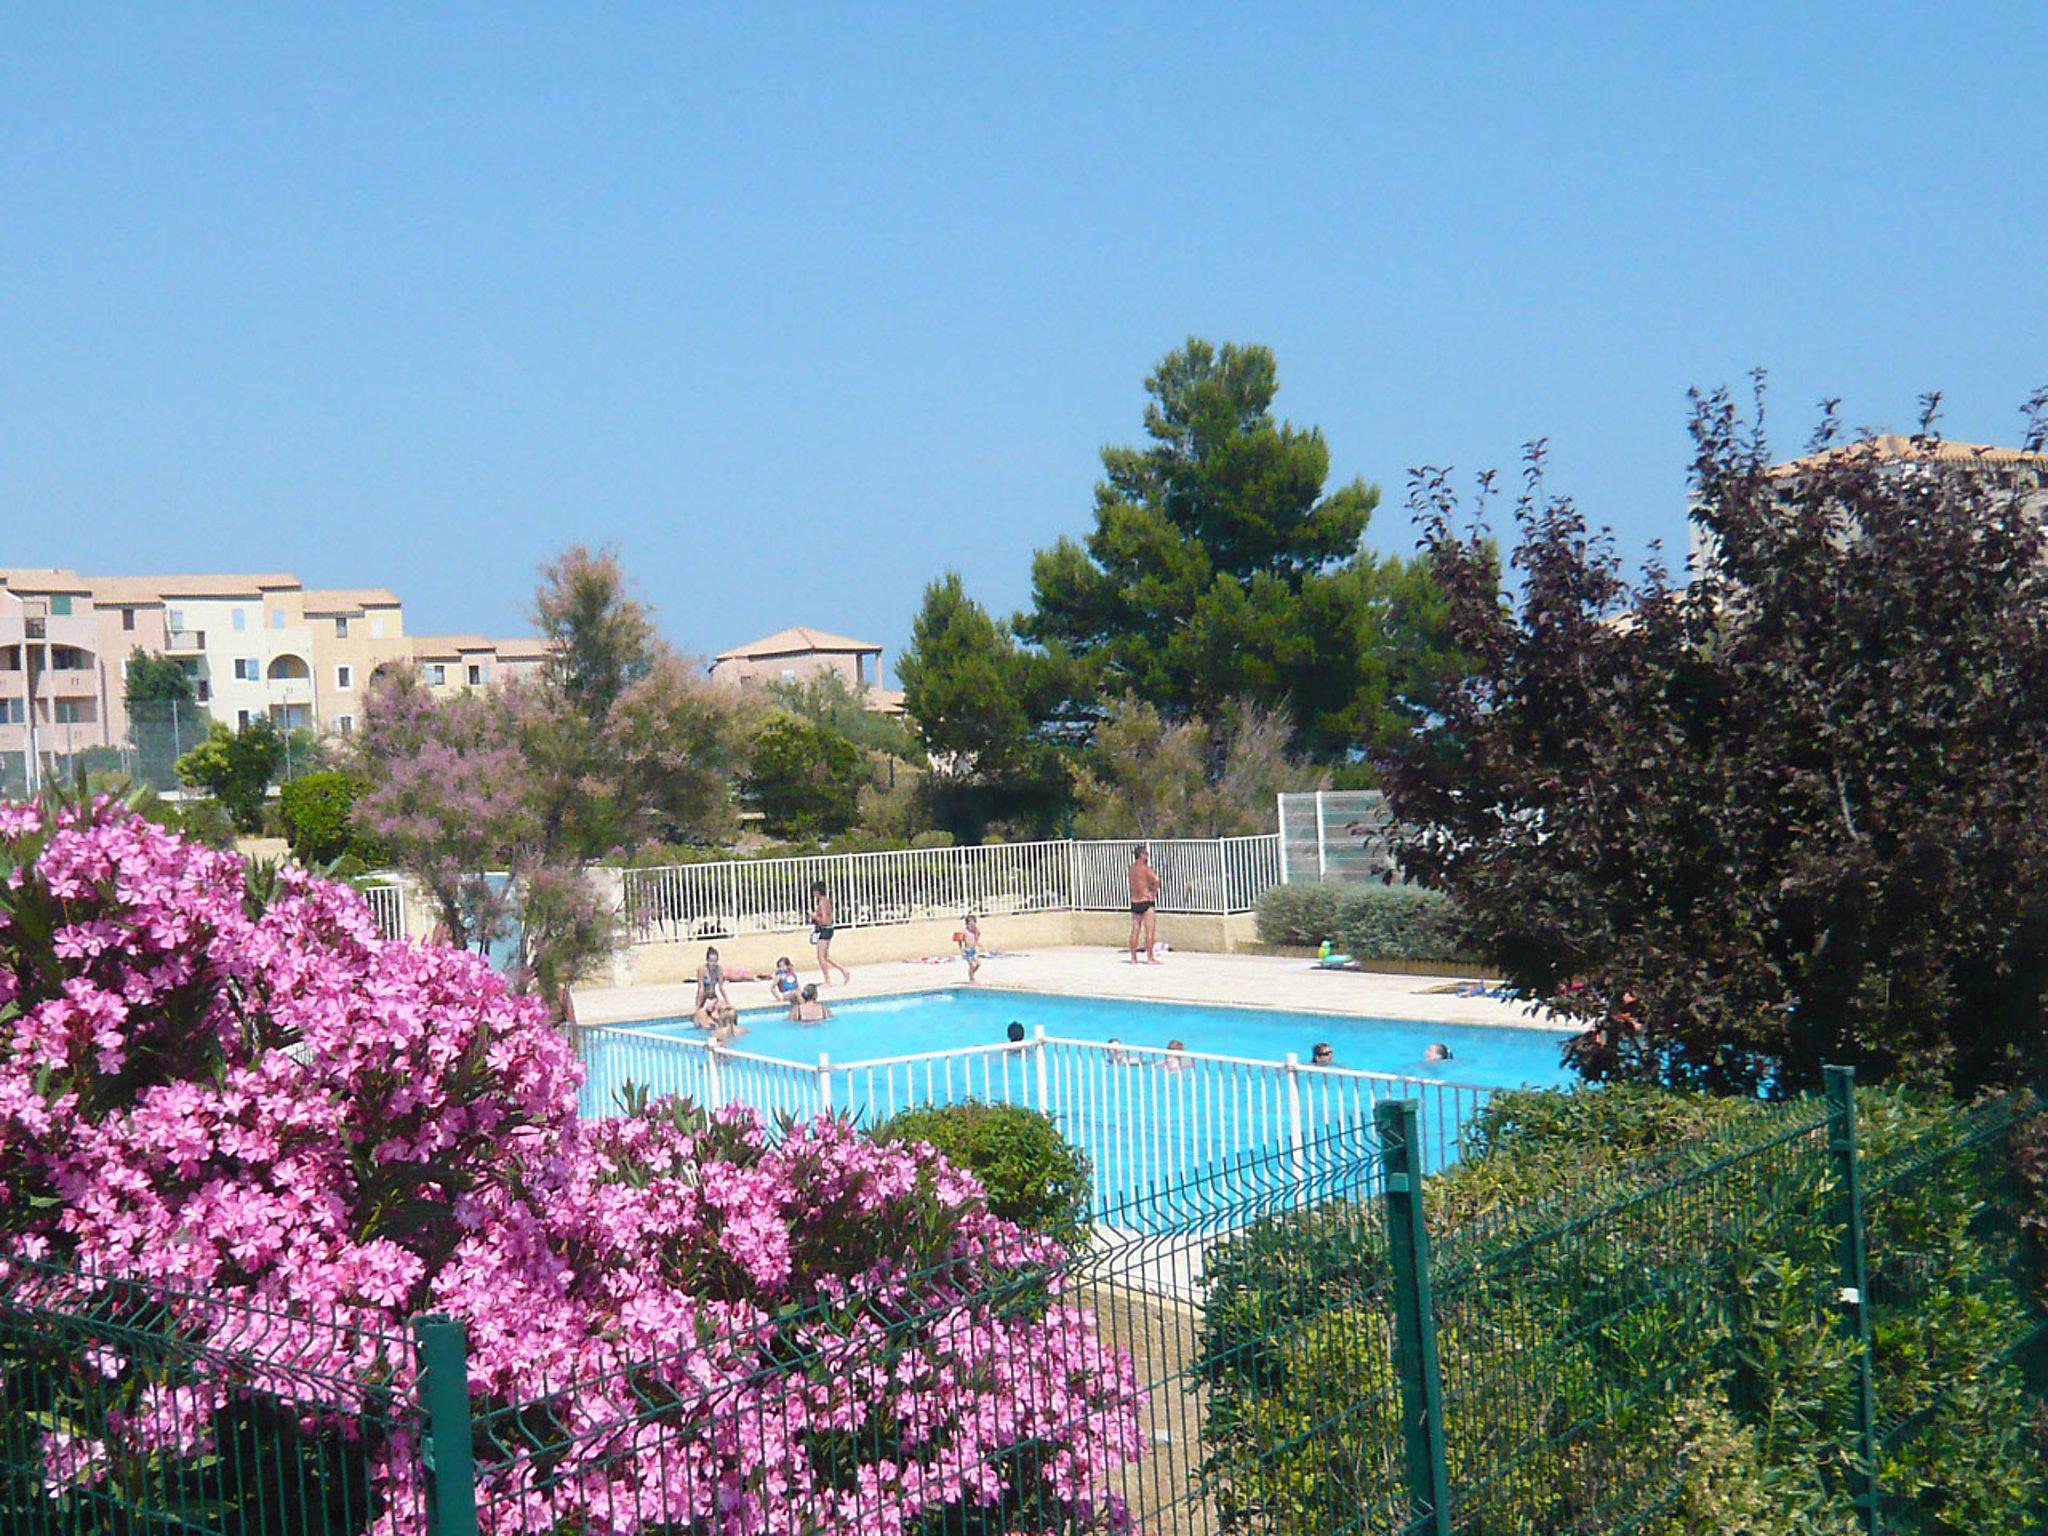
{"x":1140,"y":908}
{"x":788,"y":986}
{"x":821,"y":933}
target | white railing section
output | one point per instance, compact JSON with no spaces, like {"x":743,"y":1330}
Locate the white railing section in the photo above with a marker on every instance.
{"x":1149,"y":1119}
{"x":707,"y":901}
{"x":387,"y":907}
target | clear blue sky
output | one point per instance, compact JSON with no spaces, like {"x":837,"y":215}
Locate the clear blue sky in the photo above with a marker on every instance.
{"x":801,"y":305}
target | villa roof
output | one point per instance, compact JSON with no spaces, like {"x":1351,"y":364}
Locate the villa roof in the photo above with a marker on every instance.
{"x":526,"y":648}
{"x":798,"y":641}
{"x":38,"y":579}
{"x":448,"y":645}
{"x":348,"y":600}
{"x":151,"y":589}
{"x":1898,"y":448}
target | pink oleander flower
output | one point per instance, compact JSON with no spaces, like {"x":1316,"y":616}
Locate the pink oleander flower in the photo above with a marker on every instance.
{"x":283,"y":1137}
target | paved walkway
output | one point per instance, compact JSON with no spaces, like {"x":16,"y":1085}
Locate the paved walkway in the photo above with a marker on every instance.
{"x":1184,"y":977}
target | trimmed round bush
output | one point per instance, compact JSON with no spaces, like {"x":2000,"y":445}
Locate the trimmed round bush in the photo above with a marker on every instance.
{"x":1369,"y":922}
{"x":1033,"y":1175}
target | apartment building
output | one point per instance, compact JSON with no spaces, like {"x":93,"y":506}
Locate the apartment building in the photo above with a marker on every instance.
{"x":799,"y":654}
{"x":451,"y":664}
{"x":55,"y":687}
{"x":355,"y":631}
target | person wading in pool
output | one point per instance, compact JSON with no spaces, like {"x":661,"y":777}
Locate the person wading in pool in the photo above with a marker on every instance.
{"x":821,"y":936}
{"x":1144,"y":898}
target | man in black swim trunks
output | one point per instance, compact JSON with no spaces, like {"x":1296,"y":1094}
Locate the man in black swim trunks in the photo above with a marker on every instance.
{"x":1144,"y":897}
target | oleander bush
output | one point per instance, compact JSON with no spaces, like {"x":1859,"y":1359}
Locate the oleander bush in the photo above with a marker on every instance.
{"x":1368,"y":922}
{"x":1613,"y":1348}
{"x":219,"y":1086}
{"x":1033,"y":1176}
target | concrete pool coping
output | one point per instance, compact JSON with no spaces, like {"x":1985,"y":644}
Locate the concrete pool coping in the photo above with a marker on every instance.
{"x":1278,"y":983}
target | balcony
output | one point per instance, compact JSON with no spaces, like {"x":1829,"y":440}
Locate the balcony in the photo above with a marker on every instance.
{"x":66,"y":683}
{"x":184,"y":642}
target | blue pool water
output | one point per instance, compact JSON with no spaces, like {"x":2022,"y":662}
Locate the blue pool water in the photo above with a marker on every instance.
{"x":1164,"y":1143}
{"x":937,"y":1021}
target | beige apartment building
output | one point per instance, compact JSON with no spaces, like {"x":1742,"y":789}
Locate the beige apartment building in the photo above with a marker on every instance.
{"x":799,"y":654}
{"x":260,"y":646}
{"x":453,"y":664}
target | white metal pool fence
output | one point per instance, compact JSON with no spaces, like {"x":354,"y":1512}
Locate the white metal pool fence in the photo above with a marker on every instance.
{"x":1150,"y":1120}
{"x":387,"y":907}
{"x":1211,"y":876}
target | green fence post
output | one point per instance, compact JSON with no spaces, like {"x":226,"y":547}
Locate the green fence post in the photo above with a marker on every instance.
{"x":1853,"y":1273}
{"x":1415,"y":1361}
{"x":446,"y":1450}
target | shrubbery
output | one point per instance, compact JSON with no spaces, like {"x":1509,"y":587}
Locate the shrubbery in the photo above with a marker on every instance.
{"x":1368,"y":922}
{"x":229,"y":1085}
{"x":1032,"y":1174}
{"x":315,"y":808}
{"x":1693,"y":1342}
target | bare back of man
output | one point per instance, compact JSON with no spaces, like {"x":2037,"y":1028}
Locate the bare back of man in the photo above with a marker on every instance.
{"x":1144,"y":906}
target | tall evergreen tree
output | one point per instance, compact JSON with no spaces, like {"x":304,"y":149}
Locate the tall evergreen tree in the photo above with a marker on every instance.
{"x":1221,"y":568}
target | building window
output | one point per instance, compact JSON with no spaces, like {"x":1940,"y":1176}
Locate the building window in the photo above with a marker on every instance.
{"x":437,"y":675}
{"x":277,"y":618}
{"x":74,"y":711}
{"x":478,"y":675}
{"x":203,"y":691}
{"x":377,"y":626}
{"x":174,"y":618}
{"x":246,"y":670}
{"x":60,"y":607}
{"x":10,"y":711}
{"x":241,"y":619}
{"x":341,"y":629}
{"x":346,"y":724}
{"x":789,"y":674}
{"x":127,"y":618}
{"x":344,"y":677}
{"x":241,"y":719}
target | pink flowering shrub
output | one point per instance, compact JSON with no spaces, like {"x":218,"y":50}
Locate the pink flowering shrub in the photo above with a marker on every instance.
{"x":288,"y":1137}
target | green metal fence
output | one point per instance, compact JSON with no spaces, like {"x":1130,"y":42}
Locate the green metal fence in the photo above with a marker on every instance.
{"x":1333,"y":1348}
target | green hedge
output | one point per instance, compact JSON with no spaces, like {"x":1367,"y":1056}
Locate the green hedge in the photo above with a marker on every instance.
{"x":1033,"y":1175}
{"x":1617,"y":1357}
{"x":1368,"y":922}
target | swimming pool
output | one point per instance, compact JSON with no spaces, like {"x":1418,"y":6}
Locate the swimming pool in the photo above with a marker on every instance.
{"x":902,"y":1025}
{"x":1153,"y":1125}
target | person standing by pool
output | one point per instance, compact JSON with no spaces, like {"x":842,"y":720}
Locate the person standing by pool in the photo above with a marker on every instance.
{"x":1144,"y":898}
{"x":821,"y":935}
{"x":970,"y":944}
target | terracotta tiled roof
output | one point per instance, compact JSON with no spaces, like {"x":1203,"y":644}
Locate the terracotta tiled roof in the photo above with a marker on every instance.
{"x":348,"y":600}
{"x":150,"y":589}
{"x":796,"y":642}
{"x":38,"y":579}
{"x":1897,"y":448}
{"x":447,"y":647}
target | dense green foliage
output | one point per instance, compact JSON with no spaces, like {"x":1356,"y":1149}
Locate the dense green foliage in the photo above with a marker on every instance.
{"x":1367,"y":922}
{"x":154,"y":679}
{"x":1634,"y":1293}
{"x":1221,"y":568}
{"x":317,"y":823}
{"x":1794,"y":807}
{"x":1148,"y":776}
{"x":804,"y":778}
{"x":825,"y":699}
{"x":236,"y":768}
{"x":1033,"y":1175}
{"x":983,"y":707}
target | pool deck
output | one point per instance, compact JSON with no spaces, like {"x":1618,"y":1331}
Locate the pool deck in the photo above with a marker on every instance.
{"x":1262,"y":981}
